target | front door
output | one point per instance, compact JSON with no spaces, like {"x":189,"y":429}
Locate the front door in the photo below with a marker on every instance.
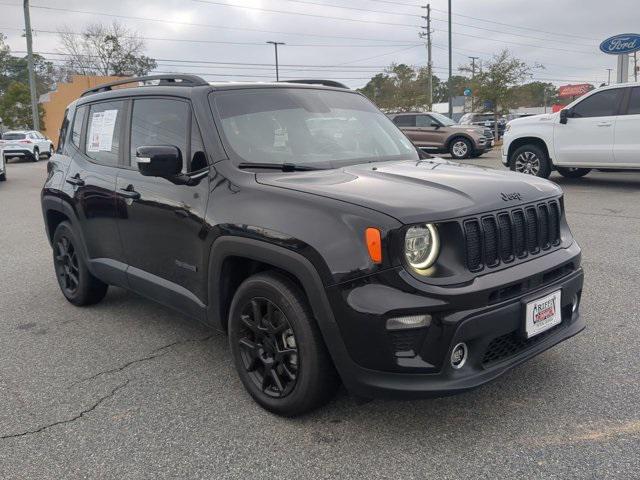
{"x":429,"y":131}
{"x":161,"y":222}
{"x":587,"y":137}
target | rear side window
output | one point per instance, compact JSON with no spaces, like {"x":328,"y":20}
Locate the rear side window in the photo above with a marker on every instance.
{"x":405,"y":121}
{"x":103,"y":132}
{"x":62,"y":138}
{"x":78,"y":121}
{"x":634,"y":102}
{"x":159,"y":121}
{"x":14,"y":136}
{"x":601,"y":104}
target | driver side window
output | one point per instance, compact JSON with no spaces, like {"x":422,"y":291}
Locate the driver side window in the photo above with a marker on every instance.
{"x":424,"y":121}
{"x":601,"y":104}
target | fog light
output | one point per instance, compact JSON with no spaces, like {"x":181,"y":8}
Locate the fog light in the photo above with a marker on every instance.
{"x":459,"y":355}
{"x":412,"y":321}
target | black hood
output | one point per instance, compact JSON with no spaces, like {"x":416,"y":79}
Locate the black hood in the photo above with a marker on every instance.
{"x":425,"y":191}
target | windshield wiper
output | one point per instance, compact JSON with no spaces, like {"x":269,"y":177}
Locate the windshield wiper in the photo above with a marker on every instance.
{"x":285,"y":167}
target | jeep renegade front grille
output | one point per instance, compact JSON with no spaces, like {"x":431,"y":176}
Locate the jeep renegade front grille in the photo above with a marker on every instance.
{"x":504,"y":236}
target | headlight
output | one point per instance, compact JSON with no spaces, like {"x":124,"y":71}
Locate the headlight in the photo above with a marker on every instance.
{"x":421,"y":246}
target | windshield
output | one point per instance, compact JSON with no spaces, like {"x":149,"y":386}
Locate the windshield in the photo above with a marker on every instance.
{"x":444,"y":120}
{"x":13,"y":136}
{"x":321,"y":128}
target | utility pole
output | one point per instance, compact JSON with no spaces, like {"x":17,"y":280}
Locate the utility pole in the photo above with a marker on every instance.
{"x":635,"y":66}
{"x":450,"y":85}
{"x":473,"y":76}
{"x":429,"y":61}
{"x":275,"y":44}
{"x":32,"y":76}
{"x":609,"y":76}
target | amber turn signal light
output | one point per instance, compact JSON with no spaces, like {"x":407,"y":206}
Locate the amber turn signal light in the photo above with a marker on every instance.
{"x":374,"y":244}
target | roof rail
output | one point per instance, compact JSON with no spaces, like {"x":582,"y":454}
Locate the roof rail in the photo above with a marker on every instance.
{"x":326,"y":83}
{"x":165,"y":80}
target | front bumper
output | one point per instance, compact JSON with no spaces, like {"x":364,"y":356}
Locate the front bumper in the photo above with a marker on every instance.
{"x":417,"y":363}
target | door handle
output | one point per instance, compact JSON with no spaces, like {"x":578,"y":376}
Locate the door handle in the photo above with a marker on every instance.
{"x":605,"y":124}
{"x":129,"y":192}
{"x":75,"y":180}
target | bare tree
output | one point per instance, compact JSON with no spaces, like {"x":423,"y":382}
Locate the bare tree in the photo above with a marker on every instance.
{"x":105,"y":50}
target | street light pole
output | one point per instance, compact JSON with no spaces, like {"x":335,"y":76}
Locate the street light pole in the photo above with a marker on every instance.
{"x":275,"y":44}
{"x":450,"y":68}
{"x":32,"y":77}
{"x":609,"y":76}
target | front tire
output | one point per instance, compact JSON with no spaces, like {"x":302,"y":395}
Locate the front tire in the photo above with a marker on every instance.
{"x":532,"y":160}
{"x":460,"y":148}
{"x":50,"y":152}
{"x":76,"y":282}
{"x":35,"y":156}
{"x":277,"y":347}
{"x":572,"y":172}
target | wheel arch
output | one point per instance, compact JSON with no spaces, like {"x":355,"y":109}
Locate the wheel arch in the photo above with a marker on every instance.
{"x":246,"y":256}
{"x":457,"y":135}
{"x":529,"y":140}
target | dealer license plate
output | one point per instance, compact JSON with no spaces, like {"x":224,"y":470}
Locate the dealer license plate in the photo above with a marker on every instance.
{"x":543,"y":314}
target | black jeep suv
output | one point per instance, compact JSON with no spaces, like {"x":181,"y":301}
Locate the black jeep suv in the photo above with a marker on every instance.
{"x":299,"y":220}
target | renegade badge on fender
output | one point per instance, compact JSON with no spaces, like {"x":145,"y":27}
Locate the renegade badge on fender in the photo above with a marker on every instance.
{"x":299,"y":220}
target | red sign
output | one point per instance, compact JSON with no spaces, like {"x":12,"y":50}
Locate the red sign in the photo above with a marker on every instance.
{"x":578,"y":90}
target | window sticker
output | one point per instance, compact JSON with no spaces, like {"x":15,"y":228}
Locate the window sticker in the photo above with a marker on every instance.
{"x":101,"y":131}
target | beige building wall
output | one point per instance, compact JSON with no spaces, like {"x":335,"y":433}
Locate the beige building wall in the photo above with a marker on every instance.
{"x":55,"y":102}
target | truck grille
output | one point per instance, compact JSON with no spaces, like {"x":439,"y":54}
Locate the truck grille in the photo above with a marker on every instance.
{"x":504,"y":236}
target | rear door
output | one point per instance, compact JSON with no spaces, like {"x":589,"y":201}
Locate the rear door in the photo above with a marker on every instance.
{"x":161,"y":222}
{"x":587,"y":137}
{"x":96,"y":148}
{"x":626,"y":150}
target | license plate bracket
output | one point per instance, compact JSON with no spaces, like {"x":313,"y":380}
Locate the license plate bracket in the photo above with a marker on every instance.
{"x":542,"y":314}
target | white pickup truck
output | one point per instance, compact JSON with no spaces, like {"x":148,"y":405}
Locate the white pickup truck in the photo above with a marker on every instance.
{"x":599,"y":130}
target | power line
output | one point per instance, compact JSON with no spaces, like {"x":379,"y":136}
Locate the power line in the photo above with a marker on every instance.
{"x":204,"y":25}
{"x":314,"y":15}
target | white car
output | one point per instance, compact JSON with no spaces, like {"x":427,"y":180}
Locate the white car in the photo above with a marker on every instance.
{"x":26,"y":143}
{"x":598,"y":130}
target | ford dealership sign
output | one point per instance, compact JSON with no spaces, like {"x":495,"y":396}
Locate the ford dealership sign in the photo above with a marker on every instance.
{"x":619,"y":44}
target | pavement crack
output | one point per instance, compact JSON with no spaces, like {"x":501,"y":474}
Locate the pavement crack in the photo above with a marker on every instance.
{"x":158,"y":352}
{"x":70,"y":420}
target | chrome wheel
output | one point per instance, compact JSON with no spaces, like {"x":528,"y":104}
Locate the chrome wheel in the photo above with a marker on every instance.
{"x":460,"y":149}
{"x":527,"y":162}
{"x":268,"y":348}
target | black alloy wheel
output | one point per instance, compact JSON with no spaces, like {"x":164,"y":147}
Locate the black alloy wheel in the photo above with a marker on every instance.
{"x":268,"y":348}
{"x":277,"y":347}
{"x":77,"y":283}
{"x":66,"y":264}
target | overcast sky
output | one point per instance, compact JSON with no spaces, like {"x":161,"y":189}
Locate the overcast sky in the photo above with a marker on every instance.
{"x":562,"y":35}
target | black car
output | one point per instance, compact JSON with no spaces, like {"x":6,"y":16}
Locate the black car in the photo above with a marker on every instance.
{"x":299,"y":220}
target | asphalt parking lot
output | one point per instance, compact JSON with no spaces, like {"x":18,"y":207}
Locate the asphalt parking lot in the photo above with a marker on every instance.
{"x":129,"y":389}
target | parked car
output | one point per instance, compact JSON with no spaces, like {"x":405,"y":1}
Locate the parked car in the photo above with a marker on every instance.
{"x":598,"y":130}
{"x":26,"y":143}
{"x":300,"y":221}
{"x":436,"y":133}
{"x":486,"y":119}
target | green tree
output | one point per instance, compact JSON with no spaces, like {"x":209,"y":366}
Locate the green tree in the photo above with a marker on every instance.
{"x":535,"y":94}
{"x":15,"y":107}
{"x":495,"y":83}
{"x":105,"y":50}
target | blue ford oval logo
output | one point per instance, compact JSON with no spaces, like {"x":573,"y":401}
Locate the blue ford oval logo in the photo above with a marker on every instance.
{"x":619,"y":44}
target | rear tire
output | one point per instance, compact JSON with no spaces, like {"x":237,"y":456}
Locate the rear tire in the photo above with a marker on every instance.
{"x":569,"y":172}
{"x":277,"y":346}
{"x":460,"y":148}
{"x":532,"y":160}
{"x":76,"y":282}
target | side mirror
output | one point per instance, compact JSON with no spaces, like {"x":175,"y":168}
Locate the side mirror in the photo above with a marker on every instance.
{"x":564,"y":116}
{"x":436,"y":125}
{"x":159,"y":161}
